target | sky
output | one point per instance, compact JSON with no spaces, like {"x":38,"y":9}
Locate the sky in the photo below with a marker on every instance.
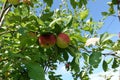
{"x":111,"y":25}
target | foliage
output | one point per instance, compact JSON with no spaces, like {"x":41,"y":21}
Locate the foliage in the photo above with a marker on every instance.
{"x":22,"y":57}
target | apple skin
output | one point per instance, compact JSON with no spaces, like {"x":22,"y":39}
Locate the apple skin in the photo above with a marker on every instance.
{"x":27,"y":2}
{"x":63,"y":40}
{"x":67,"y":66}
{"x":47,"y":40}
{"x":14,"y":2}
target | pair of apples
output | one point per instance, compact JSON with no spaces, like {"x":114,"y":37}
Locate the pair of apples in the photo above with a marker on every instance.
{"x":15,"y":2}
{"x":49,"y":40}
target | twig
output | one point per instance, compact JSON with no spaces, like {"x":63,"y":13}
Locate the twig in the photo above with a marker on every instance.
{"x":6,"y":32}
{"x":112,"y":54}
{"x":3,"y":60}
{"x":4,"y":11}
{"x":106,"y":54}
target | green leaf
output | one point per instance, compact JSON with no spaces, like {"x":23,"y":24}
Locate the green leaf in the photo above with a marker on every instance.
{"x":65,"y":56}
{"x":46,"y":16}
{"x":35,"y":71}
{"x":57,"y":29}
{"x":55,"y":21}
{"x":86,"y":57}
{"x":27,"y":39}
{"x":79,"y":38}
{"x":49,"y":2}
{"x":73,"y":3}
{"x":77,"y":58}
{"x":88,"y":28}
{"x":105,"y":66}
{"x":70,"y":19}
{"x":72,"y":51}
{"x":83,"y":75}
{"x":6,"y":67}
{"x":95,"y":59}
{"x":115,"y":2}
{"x":84,"y":14}
{"x":106,"y":36}
{"x":109,"y":60}
{"x":115,"y":63}
{"x":40,"y":22}
{"x":111,"y":10}
{"x":105,"y":13}
{"x":84,"y":1}
{"x":74,"y":66}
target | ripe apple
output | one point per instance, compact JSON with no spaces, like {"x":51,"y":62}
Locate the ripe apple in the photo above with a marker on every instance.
{"x":63,"y":40}
{"x":14,"y":2}
{"x":47,"y":40}
{"x":27,"y":2}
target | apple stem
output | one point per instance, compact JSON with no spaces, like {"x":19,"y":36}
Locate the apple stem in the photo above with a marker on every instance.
{"x":4,"y":11}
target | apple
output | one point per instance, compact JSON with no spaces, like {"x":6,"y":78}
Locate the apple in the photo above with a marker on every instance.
{"x":27,"y":2}
{"x":63,"y":40}
{"x":67,"y":66}
{"x":47,"y":40}
{"x":14,"y":2}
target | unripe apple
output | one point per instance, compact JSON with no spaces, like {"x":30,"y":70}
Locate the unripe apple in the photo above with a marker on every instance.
{"x":63,"y":40}
{"x":14,"y":2}
{"x":47,"y":40}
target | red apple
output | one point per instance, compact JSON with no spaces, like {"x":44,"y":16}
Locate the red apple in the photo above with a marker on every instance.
{"x":27,"y":2}
{"x":47,"y":40}
{"x":63,"y":40}
{"x":67,"y":66}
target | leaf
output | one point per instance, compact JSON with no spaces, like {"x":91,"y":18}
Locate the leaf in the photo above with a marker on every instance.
{"x":84,"y":14}
{"x":6,"y":67}
{"x":46,"y":16}
{"x":57,"y":29}
{"x":95,"y":59}
{"x":55,"y":21}
{"x":74,"y":66}
{"x":115,"y":2}
{"x":83,"y":75}
{"x":79,"y":38}
{"x":115,"y":63}
{"x":49,"y":2}
{"x":65,"y":56}
{"x":70,"y":19}
{"x":84,"y":2}
{"x":77,"y":58}
{"x":105,"y":66}
{"x":72,"y":51}
{"x":104,"y":37}
{"x":40,"y":22}
{"x":109,"y":60}
{"x":86,"y":57}
{"x":88,"y":28}
{"x":73,"y":3}
{"x":35,"y":71}
{"x":105,"y":13}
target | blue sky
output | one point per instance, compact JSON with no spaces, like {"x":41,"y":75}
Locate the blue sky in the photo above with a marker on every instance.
{"x":111,"y":25}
